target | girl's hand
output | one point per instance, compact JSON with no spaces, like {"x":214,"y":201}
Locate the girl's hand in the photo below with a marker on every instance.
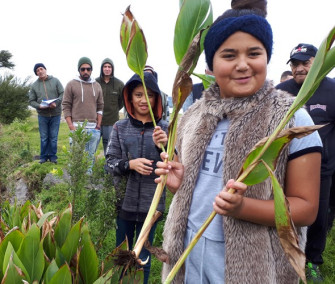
{"x":142,"y":165}
{"x":174,"y":171}
{"x":230,"y":204}
{"x":159,"y":136}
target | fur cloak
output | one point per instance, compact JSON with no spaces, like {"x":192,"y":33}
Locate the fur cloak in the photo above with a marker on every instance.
{"x":253,"y":253}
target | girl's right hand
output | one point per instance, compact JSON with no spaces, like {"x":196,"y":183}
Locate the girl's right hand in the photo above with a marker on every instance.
{"x":174,"y":171}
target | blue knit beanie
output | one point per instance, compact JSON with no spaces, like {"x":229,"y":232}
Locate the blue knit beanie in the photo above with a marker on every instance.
{"x":252,"y":24}
{"x":38,"y":65}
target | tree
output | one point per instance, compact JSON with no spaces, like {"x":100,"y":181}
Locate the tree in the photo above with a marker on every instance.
{"x":13,"y":99}
{"x":5,"y":56}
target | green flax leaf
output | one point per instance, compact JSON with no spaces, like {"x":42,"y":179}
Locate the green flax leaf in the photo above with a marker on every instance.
{"x":71,"y":243}
{"x":63,"y":226}
{"x":88,"y":260}
{"x":259,"y":172}
{"x":285,"y":228}
{"x":194,"y":15}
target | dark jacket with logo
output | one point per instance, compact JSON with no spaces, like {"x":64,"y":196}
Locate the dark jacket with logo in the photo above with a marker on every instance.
{"x":112,"y":93}
{"x":131,"y":139}
{"x":321,"y":107}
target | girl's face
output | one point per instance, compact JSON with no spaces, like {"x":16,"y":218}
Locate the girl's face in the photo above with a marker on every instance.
{"x":140,"y":106}
{"x":240,"y":65}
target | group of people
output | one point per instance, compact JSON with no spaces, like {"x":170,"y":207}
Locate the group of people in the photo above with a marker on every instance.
{"x":84,"y":99}
{"x":241,"y":245}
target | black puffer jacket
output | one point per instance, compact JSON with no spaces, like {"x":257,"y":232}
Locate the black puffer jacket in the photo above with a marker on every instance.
{"x":131,"y":139}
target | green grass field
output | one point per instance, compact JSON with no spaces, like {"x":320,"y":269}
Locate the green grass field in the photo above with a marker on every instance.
{"x":328,"y":268}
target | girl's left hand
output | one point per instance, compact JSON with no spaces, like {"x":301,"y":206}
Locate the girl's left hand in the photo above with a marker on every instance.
{"x":230,"y":204}
{"x":159,"y":136}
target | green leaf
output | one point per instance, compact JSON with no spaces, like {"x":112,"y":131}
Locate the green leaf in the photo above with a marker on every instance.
{"x":44,"y":218}
{"x":63,"y":227}
{"x":285,"y":228}
{"x":13,"y":274}
{"x":133,"y":43}
{"x":71,"y":243}
{"x":31,"y":253}
{"x":50,"y":272}
{"x":49,"y":246}
{"x":109,"y":276}
{"x":88,"y":260}
{"x":15,"y":237}
{"x":125,"y":28}
{"x":259,"y":172}
{"x":207,"y":80}
{"x":62,"y":276}
{"x":193,"y":16}
{"x":60,"y":258}
{"x":25,"y":209}
{"x":136,"y":52}
{"x":11,"y":255}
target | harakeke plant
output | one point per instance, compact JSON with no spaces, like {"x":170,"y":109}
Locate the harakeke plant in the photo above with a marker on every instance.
{"x":260,"y":163}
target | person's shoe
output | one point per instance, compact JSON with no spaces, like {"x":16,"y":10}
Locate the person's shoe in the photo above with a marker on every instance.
{"x":313,"y":272}
{"x":53,"y":161}
{"x":42,"y":161}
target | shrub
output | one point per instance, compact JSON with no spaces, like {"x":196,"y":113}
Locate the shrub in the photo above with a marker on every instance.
{"x":13,"y":99}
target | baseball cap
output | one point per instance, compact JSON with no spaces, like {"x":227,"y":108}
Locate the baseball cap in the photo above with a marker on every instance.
{"x":303,"y":52}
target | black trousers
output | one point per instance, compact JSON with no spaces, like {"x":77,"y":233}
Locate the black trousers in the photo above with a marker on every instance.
{"x":317,"y":232}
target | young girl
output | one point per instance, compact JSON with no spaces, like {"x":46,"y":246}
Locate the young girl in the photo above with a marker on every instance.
{"x":132,"y":152}
{"x":241,"y":244}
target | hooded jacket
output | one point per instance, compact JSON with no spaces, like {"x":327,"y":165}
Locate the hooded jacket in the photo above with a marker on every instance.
{"x":82,"y":100}
{"x":131,"y":139}
{"x":253,"y":253}
{"x":50,"y":88}
{"x":112,"y":93}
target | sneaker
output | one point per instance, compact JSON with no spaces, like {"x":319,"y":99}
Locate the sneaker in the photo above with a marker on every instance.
{"x":53,"y":161}
{"x":42,"y":161}
{"x":313,"y":272}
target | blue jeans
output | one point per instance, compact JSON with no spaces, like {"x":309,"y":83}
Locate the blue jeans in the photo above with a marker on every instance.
{"x":128,"y":228}
{"x":105,"y":133}
{"x":48,"y":127}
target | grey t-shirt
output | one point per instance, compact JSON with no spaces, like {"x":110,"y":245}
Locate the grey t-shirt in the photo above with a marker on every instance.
{"x":210,"y":183}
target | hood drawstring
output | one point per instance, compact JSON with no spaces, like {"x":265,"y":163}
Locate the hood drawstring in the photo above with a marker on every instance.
{"x":93,"y":90}
{"x":82,"y":91}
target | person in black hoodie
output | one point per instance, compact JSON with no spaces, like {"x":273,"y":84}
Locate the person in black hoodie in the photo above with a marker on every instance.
{"x":132,"y":152}
{"x":321,"y":107}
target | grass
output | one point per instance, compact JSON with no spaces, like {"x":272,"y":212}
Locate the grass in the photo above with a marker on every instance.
{"x":57,"y":199}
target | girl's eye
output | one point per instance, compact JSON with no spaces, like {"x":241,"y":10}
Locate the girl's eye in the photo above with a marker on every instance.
{"x":254,"y":54}
{"x":228,"y":56}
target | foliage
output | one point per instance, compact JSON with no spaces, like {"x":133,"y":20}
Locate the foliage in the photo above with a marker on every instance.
{"x":13,"y":99}
{"x":5,"y":57}
{"x":50,"y":250}
{"x":77,"y":166}
{"x":13,"y":152}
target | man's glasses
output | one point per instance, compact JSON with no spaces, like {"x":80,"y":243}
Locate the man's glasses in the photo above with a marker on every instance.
{"x":87,"y":69}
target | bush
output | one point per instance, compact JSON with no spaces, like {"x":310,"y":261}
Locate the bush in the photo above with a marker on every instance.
{"x":13,"y":99}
